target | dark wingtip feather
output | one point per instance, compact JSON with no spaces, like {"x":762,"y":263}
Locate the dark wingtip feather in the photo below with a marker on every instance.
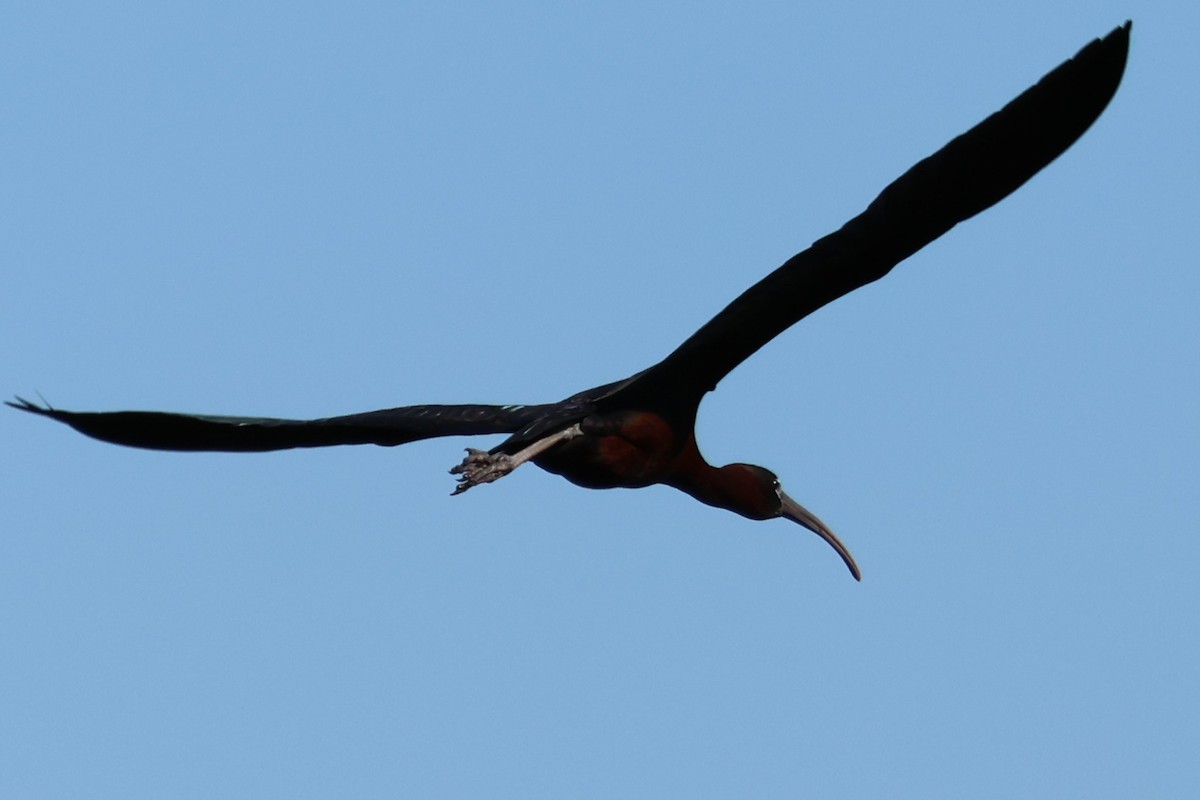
{"x":22,"y":404}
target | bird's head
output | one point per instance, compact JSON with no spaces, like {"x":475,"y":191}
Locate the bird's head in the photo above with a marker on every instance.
{"x":754,"y":492}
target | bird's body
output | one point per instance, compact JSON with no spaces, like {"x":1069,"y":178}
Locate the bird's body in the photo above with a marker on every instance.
{"x":621,"y":449}
{"x":640,"y":431}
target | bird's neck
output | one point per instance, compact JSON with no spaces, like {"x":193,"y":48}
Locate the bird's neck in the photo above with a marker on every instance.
{"x":715,"y":486}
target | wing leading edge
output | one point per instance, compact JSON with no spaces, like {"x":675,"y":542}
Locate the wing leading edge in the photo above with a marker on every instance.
{"x":158,"y":430}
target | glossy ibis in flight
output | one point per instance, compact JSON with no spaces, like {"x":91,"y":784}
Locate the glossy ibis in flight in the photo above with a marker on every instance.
{"x":640,"y":431}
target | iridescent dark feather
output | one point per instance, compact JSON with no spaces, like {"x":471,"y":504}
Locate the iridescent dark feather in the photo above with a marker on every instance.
{"x":971,"y":173}
{"x":158,"y":430}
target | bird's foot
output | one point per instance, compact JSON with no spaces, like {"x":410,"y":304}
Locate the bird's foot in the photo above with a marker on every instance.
{"x":480,"y":466}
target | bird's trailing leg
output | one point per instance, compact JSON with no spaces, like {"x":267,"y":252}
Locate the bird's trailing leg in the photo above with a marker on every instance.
{"x":480,"y":466}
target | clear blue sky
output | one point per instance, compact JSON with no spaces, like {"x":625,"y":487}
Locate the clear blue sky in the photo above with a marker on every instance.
{"x":304,"y":210}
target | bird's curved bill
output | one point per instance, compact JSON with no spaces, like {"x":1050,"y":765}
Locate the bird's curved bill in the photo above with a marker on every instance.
{"x":798,"y":513}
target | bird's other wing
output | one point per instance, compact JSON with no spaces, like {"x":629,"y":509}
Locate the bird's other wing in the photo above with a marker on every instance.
{"x":157,"y":430}
{"x":971,"y":173}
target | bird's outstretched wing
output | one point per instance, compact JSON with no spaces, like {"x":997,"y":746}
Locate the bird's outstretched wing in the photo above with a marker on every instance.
{"x":971,"y":173}
{"x":157,"y":430}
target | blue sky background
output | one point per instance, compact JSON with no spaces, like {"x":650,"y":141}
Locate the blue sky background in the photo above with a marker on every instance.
{"x":305,"y":210}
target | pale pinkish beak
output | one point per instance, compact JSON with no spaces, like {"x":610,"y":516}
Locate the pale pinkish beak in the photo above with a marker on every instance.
{"x":798,"y":513}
